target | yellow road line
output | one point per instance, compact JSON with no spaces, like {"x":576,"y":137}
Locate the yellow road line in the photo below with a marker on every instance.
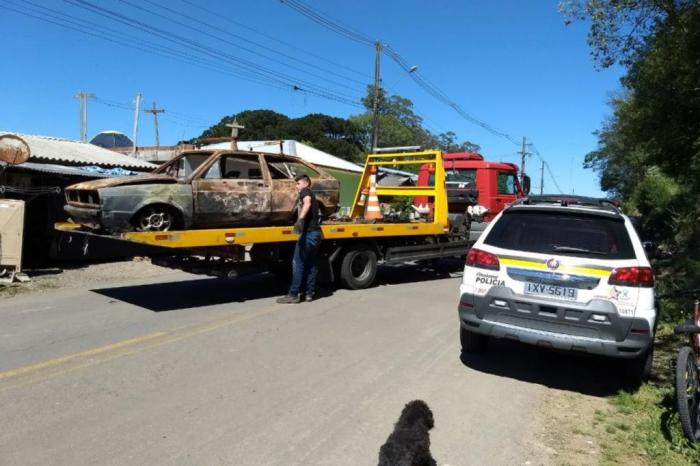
{"x":159,"y":341}
{"x":70,"y":357}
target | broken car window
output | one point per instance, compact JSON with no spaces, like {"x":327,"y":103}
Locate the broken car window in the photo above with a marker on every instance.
{"x":235,"y":167}
{"x":184,"y":166}
{"x":292,"y":168}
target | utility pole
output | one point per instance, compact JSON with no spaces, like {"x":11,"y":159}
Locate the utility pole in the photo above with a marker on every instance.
{"x":135,"y":134}
{"x":523,"y":154}
{"x":155,"y":111}
{"x":83,"y":98}
{"x":375,"y":104}
{"x":542,"y":178}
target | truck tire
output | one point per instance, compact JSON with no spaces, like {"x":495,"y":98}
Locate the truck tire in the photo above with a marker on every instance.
{"x":358,"y":268}
{"x":472,"y":342}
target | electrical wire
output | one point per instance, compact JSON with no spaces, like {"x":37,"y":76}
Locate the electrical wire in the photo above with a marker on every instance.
{"x":221,"y":16}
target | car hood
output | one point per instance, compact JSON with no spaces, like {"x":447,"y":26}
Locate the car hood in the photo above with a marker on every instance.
{"x":124,"y":181}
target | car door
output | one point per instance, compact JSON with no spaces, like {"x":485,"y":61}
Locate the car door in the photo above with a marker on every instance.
{"x":232,"y":191}
{"x":506,"y":189}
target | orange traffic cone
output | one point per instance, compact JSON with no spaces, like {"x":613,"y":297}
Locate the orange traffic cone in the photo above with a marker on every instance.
{"x":363,"y":197}
{"x":373,"y":212}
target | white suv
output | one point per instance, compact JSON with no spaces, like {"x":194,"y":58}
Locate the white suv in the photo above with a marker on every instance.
{"x":563,"y":272}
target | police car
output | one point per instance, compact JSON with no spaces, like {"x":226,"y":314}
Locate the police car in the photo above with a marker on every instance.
{"x":563,"y":272}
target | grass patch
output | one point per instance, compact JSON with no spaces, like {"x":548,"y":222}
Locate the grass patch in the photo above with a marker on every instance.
{"x":645,"y":422}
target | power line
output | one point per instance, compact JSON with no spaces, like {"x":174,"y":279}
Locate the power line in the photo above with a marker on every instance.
{"x":328,"y":22}
{"x":546,"y":165}
{"x":219,"y":15}
{"x":250,"y":73}
{"x":203,"y":31}
{"x":239,"y":37}
{"x":248,"y":66}
{"x":66,"y":22}
{"x":350,"y":33}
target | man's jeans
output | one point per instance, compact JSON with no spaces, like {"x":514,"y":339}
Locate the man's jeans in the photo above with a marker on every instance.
{"x":304,"y":264}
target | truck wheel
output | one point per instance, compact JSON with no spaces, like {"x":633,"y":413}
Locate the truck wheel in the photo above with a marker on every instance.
{"x":472,"y":342}
{"x":358,"y":268}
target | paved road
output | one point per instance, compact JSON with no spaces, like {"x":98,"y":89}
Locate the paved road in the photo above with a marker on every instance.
{"x":199,"y":371}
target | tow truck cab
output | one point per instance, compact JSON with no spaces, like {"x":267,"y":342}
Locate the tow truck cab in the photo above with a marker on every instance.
{"x":471,"y":180}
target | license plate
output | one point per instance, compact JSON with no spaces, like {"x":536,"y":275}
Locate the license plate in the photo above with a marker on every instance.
{"x":554,"y":291}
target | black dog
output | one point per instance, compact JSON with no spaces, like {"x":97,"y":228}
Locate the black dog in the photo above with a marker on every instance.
{"x":409,"y":443}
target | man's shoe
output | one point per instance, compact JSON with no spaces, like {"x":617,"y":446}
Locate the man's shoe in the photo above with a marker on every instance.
{"x":289,"y":299}
{"x":308,"y":298}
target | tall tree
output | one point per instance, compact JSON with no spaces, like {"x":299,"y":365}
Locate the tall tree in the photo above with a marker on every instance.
{"x":649,"y":150}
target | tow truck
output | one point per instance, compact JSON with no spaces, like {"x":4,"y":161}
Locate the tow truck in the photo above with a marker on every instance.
{"x":352,"y":246}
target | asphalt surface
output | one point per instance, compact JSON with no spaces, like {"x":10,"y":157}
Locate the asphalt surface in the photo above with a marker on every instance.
{"x":199,"y":371}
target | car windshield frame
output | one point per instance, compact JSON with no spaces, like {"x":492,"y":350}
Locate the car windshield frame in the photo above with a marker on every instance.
{"x":564,"y":233}
{"x":163,"y":169}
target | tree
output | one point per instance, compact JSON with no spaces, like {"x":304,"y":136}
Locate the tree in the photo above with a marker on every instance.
{"x":399,"y":125}
{"x":336,"y":136}
{"x":649,"y":150}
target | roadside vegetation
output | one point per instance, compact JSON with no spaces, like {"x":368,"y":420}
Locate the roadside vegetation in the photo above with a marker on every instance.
{"x":648,"y":155}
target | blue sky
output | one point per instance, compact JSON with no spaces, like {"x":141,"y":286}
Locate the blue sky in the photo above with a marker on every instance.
{"x":512,"y":64}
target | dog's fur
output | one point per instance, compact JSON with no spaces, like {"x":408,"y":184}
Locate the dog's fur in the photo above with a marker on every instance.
{"x":409,"y":443}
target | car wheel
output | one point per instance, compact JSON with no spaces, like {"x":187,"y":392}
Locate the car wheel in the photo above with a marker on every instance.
{"x":156,"y":218}
{"x":638,"y":370}
{"x":472,"y":342}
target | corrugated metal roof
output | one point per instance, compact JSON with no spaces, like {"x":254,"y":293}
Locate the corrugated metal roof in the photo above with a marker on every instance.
{"x":295,"y":148}
{"x":77,"y":153}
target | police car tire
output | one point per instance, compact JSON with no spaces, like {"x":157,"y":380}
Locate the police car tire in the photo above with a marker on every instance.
{"x":638,"y":370}
{"x":348,"y":276}
{"x":472,"y":342}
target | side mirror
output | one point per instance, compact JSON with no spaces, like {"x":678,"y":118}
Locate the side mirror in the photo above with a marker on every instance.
{"x":526,"y":185}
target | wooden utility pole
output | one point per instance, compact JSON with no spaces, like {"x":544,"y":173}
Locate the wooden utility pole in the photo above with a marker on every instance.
{"x":542,"y":178}
{"x":137,"y":110}
{"x":375,"y":103}
{"x":523,"y":154}
{"x":83,"y":98}
{"x":155,"y":111}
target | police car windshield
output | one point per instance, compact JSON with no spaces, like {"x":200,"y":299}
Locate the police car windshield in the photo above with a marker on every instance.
{"x":565,"y":233}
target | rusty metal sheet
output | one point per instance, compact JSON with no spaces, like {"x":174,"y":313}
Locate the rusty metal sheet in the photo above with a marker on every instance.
{"x":13,"y":149}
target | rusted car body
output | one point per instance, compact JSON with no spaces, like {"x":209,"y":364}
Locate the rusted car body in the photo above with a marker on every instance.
{"x":201,"y":189}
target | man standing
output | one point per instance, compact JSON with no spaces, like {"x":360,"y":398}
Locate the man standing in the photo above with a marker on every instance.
{"x":308,"y":227}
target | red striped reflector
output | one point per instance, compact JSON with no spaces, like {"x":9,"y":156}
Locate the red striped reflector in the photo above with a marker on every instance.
{"x":162,"y":237}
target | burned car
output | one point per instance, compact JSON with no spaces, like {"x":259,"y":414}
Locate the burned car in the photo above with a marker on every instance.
{"x":201,"y":189}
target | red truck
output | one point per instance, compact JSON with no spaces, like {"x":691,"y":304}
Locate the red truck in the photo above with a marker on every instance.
{"x":470,"y":180}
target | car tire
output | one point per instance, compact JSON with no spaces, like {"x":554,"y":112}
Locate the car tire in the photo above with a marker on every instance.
{"x":358,"y":267}
{"x":638,"y":370}
{"x":157,"y":217}
{"x":472,"y":342}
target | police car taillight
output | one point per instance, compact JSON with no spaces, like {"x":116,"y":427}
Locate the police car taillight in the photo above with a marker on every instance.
{"x":632,"y":276}
{"x":482,"y":259}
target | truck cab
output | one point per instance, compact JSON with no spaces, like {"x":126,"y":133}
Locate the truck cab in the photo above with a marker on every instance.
{"x":470,"y":180}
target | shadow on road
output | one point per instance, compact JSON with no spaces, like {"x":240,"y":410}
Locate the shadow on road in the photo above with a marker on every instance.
{"x":587,"y":374}
{"x":200,"y":292}
{"x":398,"y":274}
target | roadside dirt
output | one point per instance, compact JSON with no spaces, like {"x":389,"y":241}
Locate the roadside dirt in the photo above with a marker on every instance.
{"x":567,"y":431}
{"x":83,"y":276}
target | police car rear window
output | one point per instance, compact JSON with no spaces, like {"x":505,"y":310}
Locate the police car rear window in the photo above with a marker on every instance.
{"x":562,"y":233}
